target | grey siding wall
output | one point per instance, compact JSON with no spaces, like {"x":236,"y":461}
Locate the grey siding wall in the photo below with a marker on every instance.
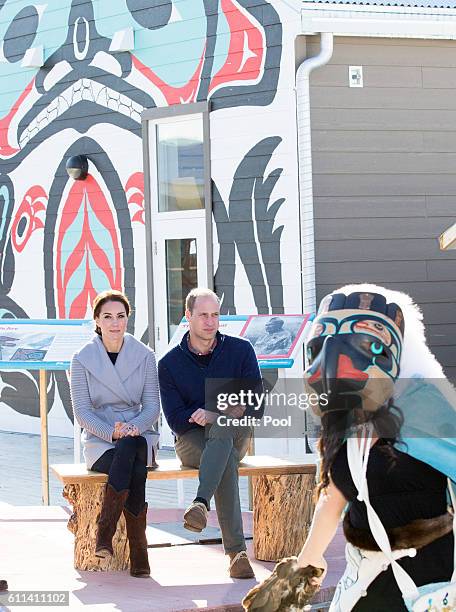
{"x":384,"y":164}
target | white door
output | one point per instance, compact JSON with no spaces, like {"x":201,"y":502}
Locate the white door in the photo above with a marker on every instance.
{"x":180,"y":221}
{"x":179,"y":263}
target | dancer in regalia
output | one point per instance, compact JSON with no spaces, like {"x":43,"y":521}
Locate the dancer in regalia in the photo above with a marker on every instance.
{"x":388,"y":462}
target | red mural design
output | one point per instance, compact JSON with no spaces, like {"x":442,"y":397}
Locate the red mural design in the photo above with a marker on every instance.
{"x":134,"y":190}
{"x":174,"y":95}
{"x":88,"y":226}
{"x":247,"y":47}
{"x":26,"y":219}
{"x":244,"y":62}
{"x":6,"y":149}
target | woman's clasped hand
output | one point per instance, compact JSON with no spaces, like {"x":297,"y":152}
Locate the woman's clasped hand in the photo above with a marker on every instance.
{"x":122,"y":429}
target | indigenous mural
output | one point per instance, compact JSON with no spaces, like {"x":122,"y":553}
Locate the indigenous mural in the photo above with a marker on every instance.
{"x":237,"y":224}
{"x":62,"y":241}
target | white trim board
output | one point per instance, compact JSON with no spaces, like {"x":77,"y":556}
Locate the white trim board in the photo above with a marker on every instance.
{"x":447,"y":240}
{"x":379,"y":21}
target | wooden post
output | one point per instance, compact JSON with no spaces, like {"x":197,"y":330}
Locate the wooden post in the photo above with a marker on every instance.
{"x":44,"y":439}
{"x":250,"y":452}
{"x":283,"y":507}
{"x":86,"y":500}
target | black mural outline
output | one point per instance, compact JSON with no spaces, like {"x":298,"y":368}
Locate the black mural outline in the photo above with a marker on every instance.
{"x":164,"y":7}
{"x":19,"y":35}
{"x":264,"y":92}
{"x":7,"y":262}
{"x":103,"y":164}
{"x":21,"y":392}
{"x":211,"y":40}
{"x":84,"y":114}
{"x":224,"y":277}
{"x":13,"y":310}
{"x":145,"y":337}
{"x":112,"y":181}
{"x":248,"y":210}
{"x":268,"y":238}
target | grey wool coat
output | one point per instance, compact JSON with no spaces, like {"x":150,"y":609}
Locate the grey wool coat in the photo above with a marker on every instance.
{"x":103,"y":393}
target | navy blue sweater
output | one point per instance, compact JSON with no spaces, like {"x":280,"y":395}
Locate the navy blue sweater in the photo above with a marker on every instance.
{"x":182,"y":378}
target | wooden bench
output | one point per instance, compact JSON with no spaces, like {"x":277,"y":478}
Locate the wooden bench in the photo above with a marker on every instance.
{"x":282,"y":507}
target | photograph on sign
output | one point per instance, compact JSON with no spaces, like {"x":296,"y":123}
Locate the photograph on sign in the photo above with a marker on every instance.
{"x":29,"y":347}
{"x":274,"y":336}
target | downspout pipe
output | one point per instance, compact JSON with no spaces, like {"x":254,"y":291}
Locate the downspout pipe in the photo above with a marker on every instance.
{"x":306,"y":211}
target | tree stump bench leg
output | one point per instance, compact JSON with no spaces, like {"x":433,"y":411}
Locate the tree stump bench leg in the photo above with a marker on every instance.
{"x":283,"y":508}
{"x":86,"y":501}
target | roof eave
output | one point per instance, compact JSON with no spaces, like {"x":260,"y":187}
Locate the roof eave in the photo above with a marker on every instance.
{"x":381,"y":21}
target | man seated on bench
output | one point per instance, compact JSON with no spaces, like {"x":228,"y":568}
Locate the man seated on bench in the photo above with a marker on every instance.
{"x":201,"y":442}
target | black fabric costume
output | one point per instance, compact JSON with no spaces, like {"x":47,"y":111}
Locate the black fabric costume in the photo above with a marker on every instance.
{"x":401,"y":489}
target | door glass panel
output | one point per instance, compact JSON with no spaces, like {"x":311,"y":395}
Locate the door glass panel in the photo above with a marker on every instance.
{"x":180,"y":159}
{"x":181,"y":278}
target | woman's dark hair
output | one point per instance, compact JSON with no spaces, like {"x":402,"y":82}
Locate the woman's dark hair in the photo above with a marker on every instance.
{"x":387,"y":422}
{"x":111,"y":295}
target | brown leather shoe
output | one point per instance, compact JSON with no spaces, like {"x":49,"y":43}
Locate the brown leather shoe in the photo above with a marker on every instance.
{"x":240,"y":565}
{"x":195,"y":517}
{"x":136,"y":533}
{"x":111,"y":510}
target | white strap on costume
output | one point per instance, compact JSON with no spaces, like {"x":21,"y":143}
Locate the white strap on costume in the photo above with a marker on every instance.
{"x":358,"y":457}
{"x":363,"y":567}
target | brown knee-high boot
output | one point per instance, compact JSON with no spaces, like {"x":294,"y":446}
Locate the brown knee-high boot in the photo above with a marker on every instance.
{"x":111,"y":510}
{"x":136,"y":533}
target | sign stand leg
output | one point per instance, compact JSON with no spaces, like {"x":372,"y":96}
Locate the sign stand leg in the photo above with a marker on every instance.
{"x":44,"y":438}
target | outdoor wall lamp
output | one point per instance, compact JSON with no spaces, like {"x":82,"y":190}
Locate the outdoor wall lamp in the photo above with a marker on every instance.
{"x":77,"y":167}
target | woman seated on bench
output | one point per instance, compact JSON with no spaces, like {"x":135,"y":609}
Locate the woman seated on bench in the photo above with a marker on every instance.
{"x":114,"y":391}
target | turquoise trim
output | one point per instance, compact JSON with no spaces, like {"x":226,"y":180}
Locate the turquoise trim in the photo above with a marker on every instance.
{"x":378,"y":350}
{"x":34,"y":365}
{"x":266,"y":364}
{"x":79,"y":322}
